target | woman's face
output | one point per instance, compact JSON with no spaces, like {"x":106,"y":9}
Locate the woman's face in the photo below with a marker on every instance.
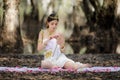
{"x":53,"y":25}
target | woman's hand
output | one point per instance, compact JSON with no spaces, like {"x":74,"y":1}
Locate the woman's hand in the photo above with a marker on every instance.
{"x":55,"y":36}
{"x":60,"y":40}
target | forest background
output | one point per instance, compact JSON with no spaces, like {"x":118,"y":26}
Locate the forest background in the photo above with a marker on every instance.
{"x":89,"y":26}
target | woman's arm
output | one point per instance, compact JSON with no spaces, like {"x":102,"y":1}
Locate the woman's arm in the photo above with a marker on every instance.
{"x":41,"y":45}
{"x":61,"y":42}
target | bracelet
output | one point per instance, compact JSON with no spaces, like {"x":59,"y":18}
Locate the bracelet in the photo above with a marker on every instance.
{"x":62,"y":47}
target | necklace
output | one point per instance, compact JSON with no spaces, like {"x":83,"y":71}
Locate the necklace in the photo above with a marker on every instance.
{"x":50,"y":33}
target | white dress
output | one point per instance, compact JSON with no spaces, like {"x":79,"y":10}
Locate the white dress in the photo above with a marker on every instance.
{"x":53,"y":53}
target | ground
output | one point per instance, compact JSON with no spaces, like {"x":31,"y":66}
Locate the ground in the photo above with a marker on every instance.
{"x":35,"y":61}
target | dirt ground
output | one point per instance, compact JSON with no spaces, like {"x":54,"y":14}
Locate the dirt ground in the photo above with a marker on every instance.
{"x":35,"y":61}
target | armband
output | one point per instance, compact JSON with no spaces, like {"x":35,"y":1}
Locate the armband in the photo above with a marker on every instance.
{"x":39,"y":41}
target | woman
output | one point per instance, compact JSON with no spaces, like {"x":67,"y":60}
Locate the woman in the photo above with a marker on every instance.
{"x":53,"y":44}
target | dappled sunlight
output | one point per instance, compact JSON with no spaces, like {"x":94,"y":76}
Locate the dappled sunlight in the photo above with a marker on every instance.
{"x":101,"y":2}
{"x":11,"y":18}
{"x":71,"y":15}
{"x":45,"y":4}
{"x":118,"y":7}
{"x":118,"y":49}
{"x":60,"y":39}
{"x":68,"y":49}
{"x":83,"y":50}
{"x":79,"y":20}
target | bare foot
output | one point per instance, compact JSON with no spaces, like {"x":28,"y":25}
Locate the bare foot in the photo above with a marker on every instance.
{"x":85,"y":65}
{"x":81,"y":65}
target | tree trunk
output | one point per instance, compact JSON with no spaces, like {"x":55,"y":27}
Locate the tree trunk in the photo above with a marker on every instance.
{"x":101,"y":23}
{"x":10,"y":41}
{"x":31,"y":28}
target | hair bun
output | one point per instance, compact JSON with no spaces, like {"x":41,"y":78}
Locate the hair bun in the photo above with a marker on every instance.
{"x":52,"y":17}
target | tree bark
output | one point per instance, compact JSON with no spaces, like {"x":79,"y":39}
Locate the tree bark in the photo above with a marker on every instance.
{"x":101,"y":22}
{"x":106,"y":39}
{"x":31,"y":28}
{"x":10,"y":41}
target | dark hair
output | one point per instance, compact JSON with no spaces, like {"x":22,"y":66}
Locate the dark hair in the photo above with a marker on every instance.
{"x":52,"y":17}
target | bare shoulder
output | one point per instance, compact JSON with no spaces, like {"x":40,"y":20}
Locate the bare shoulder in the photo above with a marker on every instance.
{"x":42,"y":31}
